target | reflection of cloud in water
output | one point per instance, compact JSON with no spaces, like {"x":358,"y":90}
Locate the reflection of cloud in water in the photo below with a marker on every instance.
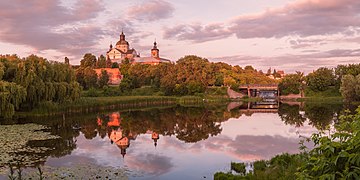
{"x":243,"y":147}
{"x":262,"y":147}
{"x":152,"y":164}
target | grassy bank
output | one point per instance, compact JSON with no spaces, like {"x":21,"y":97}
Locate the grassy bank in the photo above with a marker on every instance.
{"x":333,"y":99}
{"x":92,"y":104}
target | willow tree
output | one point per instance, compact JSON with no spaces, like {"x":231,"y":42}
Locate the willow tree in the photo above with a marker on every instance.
{"x":11,"y":96}
{"x":46,"y":81}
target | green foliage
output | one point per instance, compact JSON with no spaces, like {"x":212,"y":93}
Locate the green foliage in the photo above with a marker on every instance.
{"x":92,"y":92}
{"x":30,"y":81}
{"x":331,"y":91}
{"x":143,"y":91}
{"x":67,"y":61}
{"x":194,"y":87}
{"x":2,"y":71}
{"x":216,"y":91}
{"x":350,"y":87}
{"x":290,"y":115}
{"x":125,"y":85}
{"x":238,"y":167}
{"x":189,"y":76}
{"x":103,"y":79}
{"x":46,"y":80}
{"x":342,"y":70}
{"x":321,"y":79}
{"x":111,"y":91}
{"x":321,"y":115}
{"x":9,"y":64}
{"x":291,"y":84}
{"x":114,"y":65}
{"x":89,"y":60}
{"x":336,"y":156}
{"x":282,"y":167}
{"x":101,"y":62}
{"x":11,"y":97}
{"x":86,"y":77}
{"x":226,"y":176}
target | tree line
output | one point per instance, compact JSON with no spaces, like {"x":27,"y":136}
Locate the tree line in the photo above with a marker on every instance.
{"x":343,"y":80}
{"x":24,"y":83}
{"x":188,"y":76}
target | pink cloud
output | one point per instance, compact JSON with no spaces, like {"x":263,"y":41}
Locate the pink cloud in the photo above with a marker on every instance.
{"x":302,"y":18}
{"x":49,"y":25}
{"x":197,"y":32}
{"x":307,"y":61}
{"x":151,"y":11}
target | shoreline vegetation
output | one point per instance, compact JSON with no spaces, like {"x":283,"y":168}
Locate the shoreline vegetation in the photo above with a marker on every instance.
{"x":91,"y":104}
{"x":34,"y":84}
{"x":334,"y":156}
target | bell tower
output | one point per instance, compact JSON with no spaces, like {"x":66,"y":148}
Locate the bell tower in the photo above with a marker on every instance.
{"x":155,"y":51}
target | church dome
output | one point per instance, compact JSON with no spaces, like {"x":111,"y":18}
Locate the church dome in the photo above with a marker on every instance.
{"x":122,"y":42}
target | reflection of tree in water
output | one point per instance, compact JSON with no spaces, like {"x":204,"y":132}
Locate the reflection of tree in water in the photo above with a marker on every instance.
{"x":188,"y":124}
{"x":194,"y":125}
{"x":321,"y":115}
{"x":290,"y":114}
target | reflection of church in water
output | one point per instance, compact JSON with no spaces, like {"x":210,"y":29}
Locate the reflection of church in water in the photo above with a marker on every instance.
{"x":118,"y":136}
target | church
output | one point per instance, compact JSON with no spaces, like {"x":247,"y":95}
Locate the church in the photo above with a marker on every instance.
{"x":122,"y":50}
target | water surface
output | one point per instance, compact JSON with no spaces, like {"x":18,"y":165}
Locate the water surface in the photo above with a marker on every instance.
{"x":177,"y":142}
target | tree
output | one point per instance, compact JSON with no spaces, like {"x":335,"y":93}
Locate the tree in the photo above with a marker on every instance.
{"x":27,"y":82}
{"x":11,"y":97}
{"x":90,"y":78}
{"x":89,"y":60}
{"x":101,"y":62}
{"x":67,"y":61}
{"x":45,"y":81}
{"x":342,"y":70}
{"x":336,"y":155}
{"x":2,"y":70}
{"x":291,"y":84}
{"x":321,"y":79}
{"x":290,"y":115}
{"x":108,"y":63}
{"x":114,"y":65}
{"x":103,"y":79}
{"x":268,"y":73}
{"x":196,"y":69}
{"x":350,"y":87}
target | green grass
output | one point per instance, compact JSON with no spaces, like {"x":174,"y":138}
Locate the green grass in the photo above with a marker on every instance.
{"x":330,"y":92}
{"x":328,"y":100}
{"x":89,"y":104}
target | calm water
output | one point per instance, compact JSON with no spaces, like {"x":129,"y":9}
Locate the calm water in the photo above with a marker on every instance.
{"x":179,"y":142}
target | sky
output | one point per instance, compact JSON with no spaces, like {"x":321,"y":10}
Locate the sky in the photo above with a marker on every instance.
{"x":289,"y":35}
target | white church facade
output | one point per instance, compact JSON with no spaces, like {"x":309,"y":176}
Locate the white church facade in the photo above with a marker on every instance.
{"x":122,"y":50}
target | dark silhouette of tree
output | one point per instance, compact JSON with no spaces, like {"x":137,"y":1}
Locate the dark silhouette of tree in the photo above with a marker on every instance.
{"x":103,"y":79}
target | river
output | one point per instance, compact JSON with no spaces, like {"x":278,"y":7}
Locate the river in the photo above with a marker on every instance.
{"x":172,"y":142}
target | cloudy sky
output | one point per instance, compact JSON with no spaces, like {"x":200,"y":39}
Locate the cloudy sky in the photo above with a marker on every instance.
{"x":282,"y":34}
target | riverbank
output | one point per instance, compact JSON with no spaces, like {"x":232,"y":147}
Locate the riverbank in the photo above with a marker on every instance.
{"x":334,"y":156}
{"x":328,"y":99}
{"x":92,"y":104}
